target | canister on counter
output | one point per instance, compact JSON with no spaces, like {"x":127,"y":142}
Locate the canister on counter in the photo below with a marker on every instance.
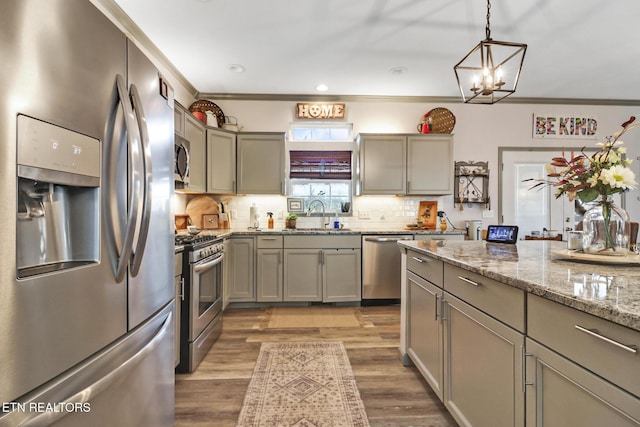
{"x":574,"y":240}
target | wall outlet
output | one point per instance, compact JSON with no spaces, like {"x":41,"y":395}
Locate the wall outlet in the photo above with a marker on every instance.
{"x":487,"y":213}
{"x":364,"y":214}
{"x":234,"y":214}
{"x":280,"y":215}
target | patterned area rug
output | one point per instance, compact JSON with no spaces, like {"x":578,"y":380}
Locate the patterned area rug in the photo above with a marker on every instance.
{"x":303,"y":385}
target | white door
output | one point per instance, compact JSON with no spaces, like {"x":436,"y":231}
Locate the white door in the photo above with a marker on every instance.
{"x":532,"y":209}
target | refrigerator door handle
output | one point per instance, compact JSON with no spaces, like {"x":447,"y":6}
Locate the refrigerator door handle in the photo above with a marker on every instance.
{"x":120,"y":256}
{"x":140,"y":244}
{"x":99,"y":386}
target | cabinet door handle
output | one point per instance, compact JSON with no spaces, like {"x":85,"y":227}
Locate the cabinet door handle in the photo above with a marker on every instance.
{"x":182,"y":289}
{"x":469,"y":281}
{"x":418,"y":259}
{"x":595,"y":333}
{"x":436,"y":300}
{"x":524,"y":368}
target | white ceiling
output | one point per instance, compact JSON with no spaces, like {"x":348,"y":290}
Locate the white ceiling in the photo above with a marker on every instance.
{"x":576,"y":48}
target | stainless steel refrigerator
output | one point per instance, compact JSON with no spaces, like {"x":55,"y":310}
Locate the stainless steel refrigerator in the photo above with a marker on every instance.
{"x":86,"y":265}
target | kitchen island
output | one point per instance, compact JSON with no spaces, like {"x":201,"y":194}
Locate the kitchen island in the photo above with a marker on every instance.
{"x":492,"y":326}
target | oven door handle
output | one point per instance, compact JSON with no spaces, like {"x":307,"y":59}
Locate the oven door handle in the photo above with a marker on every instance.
{"x":198,"y":268}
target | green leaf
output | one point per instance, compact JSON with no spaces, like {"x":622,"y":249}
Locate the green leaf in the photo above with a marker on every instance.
{"x":588,"y":195}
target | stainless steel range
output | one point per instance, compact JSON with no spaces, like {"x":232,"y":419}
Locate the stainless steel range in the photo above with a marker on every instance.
{"x":201,"y":314}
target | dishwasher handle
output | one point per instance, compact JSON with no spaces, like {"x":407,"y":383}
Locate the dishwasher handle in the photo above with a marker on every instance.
{"x":385,"y":239}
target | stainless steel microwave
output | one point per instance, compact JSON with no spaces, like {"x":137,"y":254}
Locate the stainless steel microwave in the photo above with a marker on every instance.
{"x":181,"y":162}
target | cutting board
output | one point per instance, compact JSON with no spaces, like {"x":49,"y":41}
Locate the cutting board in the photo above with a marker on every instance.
{"x":201,"y":205}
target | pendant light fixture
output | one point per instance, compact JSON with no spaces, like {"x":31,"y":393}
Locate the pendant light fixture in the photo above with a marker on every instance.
{"x":490,"y":72}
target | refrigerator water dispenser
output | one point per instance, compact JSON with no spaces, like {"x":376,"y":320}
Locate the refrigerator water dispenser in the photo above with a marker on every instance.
{"x":57,"y":214}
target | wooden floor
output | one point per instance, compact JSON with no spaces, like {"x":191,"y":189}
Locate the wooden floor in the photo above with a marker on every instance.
{"x":393,"y":395}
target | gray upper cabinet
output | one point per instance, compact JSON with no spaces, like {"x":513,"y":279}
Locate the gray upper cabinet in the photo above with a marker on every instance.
{"x":430,"y":164}
{"x":221,"y":161}
{"x":195,"y":133}
{"x":260,"y":165}
{"x":383,"y":164}
{"x":406,"y":164}
{"x":179,"y":113}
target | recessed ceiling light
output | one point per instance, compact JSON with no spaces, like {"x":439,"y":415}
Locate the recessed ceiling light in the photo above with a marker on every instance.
{"x":396,"y":71}
{"x":322,"y":87}
{"x":236,"y":68}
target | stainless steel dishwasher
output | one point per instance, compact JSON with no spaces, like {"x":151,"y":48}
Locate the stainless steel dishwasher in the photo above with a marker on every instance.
{"x":381,"y":260}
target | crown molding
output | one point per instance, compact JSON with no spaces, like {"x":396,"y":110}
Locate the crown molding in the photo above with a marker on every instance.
{"x":406,"y":99}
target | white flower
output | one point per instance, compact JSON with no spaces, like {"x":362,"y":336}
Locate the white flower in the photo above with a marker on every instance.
{"x":618,"y":177}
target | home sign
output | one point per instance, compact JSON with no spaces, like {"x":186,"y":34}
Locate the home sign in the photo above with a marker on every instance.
{"x":564,"y":126}
{"x":319,"y":111}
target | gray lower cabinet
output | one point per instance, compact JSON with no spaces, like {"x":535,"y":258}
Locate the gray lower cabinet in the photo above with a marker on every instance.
{"x":581,"y":370}
{"x":562,"y":393}
{"x":302,"y":275}
{"x":341,"y":275}
{"x":465,"y":334}
{"x":241,"y":266}
{"x":322,"y":268}
{"x":482,"y":369}
{"x":269,"y":279}
{"x":424,"y":340}
{"x":269,"y":269}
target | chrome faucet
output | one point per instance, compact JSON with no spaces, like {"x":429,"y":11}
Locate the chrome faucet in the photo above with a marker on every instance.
{"x":324,"y":224}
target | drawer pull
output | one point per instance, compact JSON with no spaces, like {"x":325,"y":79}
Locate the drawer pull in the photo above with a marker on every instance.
{"x":268,"y":238}
{"x":418,"y":259}
{"x":469,"y":281}
{"x":595,"y":333}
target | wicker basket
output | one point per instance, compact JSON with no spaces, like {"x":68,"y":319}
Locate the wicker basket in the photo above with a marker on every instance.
{"x":203,"y":106}
{"x":442,"y":120}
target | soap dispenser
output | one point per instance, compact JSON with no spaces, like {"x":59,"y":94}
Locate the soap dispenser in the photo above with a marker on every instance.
{"x":270,"y":219}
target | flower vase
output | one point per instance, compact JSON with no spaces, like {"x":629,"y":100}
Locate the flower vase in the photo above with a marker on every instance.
{"x":606,"y":229}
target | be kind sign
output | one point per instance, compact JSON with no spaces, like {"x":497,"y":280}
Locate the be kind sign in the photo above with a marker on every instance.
{"x":564,"y":126}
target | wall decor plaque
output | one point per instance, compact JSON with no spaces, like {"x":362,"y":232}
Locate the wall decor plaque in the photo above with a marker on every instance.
{"x":319,"y":111}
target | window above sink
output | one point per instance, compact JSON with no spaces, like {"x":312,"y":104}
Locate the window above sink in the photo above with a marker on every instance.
{"x":320,"y":160}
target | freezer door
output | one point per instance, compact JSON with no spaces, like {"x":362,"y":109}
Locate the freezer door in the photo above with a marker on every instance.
{"x":60,"y":58}
{"x":151,"y":271}
{"x":130,"y":383}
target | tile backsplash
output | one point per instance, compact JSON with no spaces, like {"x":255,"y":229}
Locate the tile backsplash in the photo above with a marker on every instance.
{"x":368,"y":212}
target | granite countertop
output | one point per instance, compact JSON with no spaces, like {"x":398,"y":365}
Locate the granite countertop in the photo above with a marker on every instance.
{"x":610,"y":292}
{"x":332,"y":231}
